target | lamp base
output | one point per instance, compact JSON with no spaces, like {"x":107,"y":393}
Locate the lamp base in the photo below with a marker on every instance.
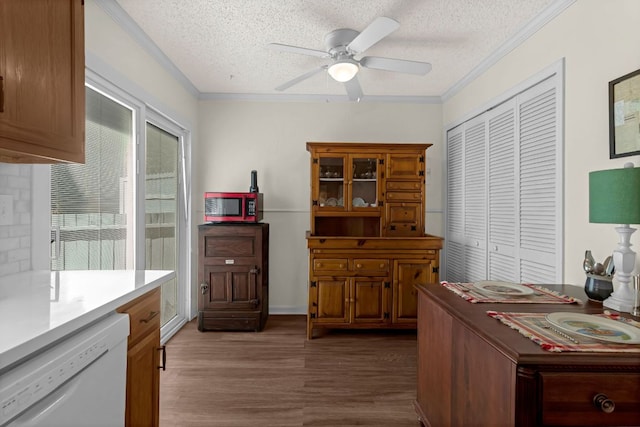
{"x":621,"y":300}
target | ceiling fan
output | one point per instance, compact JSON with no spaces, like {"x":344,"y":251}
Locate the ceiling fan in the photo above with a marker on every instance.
{"x":342,"y":47}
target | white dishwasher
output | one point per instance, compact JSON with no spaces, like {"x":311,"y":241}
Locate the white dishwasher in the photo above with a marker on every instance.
{"x":79,"y":381}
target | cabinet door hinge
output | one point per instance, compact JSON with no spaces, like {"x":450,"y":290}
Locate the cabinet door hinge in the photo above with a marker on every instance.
{"x":315,"y":161}
{"x":386,"y":315}
{"x":421,"y":158}
{"x":381,"y":203}
{"x":414,"y":228}
{"x":421,"y":173}
{"x":435,"y":269}
{"x":387,"y":285}
{"x":313,"y":315}
{"x":381,"y":161}
{"x":312,"y":284}
{"x":314,"y":202}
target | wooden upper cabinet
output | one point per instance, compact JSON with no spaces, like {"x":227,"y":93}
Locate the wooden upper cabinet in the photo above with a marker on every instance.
{"x":405,"y":166}
{"x":42,"y":95}
{"x":346,"y":182}
{"x":364,"y":189}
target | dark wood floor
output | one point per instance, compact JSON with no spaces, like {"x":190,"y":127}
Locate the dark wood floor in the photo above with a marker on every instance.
{"x":277,"y":378}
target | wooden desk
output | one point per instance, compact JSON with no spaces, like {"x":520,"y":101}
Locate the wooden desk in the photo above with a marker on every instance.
{"x":475,"y":371}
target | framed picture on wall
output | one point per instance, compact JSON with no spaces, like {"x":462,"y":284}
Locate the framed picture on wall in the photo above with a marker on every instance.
{"x":624,"y":115}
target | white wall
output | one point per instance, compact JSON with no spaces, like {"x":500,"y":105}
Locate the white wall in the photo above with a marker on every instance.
{"x":270,"y":137}
{"x":599,"y":41}
{"x":113,"y":53}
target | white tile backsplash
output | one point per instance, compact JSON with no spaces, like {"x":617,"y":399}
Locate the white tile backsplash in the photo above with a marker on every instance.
{"x":15,"y":238}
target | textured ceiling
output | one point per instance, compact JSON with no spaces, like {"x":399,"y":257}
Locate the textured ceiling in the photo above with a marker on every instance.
{"x":220,"y":45}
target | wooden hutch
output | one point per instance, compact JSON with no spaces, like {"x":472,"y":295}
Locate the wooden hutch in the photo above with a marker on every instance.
{"x":367,"y":245}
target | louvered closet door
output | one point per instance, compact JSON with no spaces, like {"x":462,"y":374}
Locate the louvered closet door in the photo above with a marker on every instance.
{"x":475,"y":200}
{"x":540,"y":184}
{"x":502,"y":193}
{"x":505,"y":190}
{"x":454,"y":242}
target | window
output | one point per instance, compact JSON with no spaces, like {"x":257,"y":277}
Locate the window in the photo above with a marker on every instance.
{"x":91,"y":204}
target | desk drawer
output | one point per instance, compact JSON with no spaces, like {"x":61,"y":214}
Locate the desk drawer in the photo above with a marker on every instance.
{"x":567,"y":399}
{"x":144,"y":315}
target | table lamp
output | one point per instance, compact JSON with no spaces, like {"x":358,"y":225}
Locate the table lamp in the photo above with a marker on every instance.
{"x":614,"y":198}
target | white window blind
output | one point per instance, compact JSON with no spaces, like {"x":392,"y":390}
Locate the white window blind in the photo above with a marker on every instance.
{"x":91,"y":203}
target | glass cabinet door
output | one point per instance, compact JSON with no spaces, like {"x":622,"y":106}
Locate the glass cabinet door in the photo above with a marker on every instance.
{"x":364,"y":182}
{"x":331,"y":183}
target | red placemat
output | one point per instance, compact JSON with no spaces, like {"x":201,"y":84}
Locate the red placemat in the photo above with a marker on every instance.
{"x":540,"y":295}
{"x":535,"y":327}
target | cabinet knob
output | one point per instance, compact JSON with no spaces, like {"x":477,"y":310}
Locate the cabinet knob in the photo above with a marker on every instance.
{"x":603,"y":403}
{"x":495,"y":248}
{"x":204,"y":287}
{"x":382,"y":265}
{"x":358,"y":265}
{"x":341,"y":265}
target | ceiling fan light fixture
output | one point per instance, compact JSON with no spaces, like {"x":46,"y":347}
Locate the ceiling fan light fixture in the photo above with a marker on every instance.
{"x":343,"y":70}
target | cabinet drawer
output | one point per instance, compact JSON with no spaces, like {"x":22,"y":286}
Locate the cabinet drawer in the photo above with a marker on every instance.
{"x":393,"y":196}
{"x":144,"y":315}
{"x":371,"y":266}
{"x":404,"y":186}
{"x":330,"y":264}
{"x":567,"y":398}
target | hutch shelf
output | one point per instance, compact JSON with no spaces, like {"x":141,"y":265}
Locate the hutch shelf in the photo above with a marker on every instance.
{"x":367,"y":245}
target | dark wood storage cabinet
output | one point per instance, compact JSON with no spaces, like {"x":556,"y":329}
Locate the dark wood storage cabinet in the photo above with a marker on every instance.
{"x":233,"y":276}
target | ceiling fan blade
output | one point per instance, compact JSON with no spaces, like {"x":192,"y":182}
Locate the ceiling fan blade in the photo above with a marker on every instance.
{"x":354,"y":91}
{"x":398,"y":65}
{"x":380,"y":28}
{"x":298,"y":79}
{"x":300,"y":50}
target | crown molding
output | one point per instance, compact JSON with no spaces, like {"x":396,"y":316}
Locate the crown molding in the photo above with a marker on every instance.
{"x":122,"y":18}
{"x":319,"y":98}
{"x":518,"y":38}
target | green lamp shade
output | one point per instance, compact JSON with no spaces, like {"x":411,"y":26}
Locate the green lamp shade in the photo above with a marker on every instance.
{"x":614,"y":196}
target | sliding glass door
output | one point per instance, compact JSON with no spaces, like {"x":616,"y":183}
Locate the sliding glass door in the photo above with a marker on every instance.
{"x":162,"y":200}
{"x":126,"y":207}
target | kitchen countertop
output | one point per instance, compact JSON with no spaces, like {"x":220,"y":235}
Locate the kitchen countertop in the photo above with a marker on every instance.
{"x":38,"y":308}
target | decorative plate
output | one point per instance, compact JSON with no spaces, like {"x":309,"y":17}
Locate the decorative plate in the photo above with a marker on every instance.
{"x":332,"y":202}
{"x":503,"y":288}
{"x":358,"y":202}
{"x":596,"y":327}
